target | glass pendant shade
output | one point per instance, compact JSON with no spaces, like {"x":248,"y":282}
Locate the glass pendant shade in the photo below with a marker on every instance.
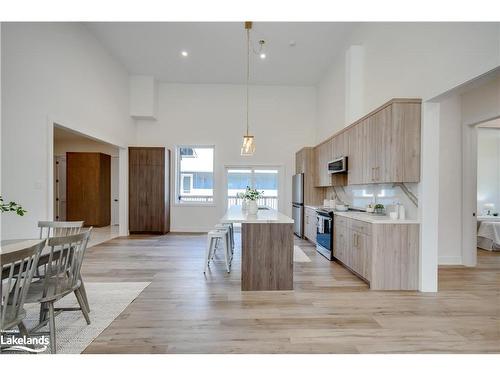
{"x":248,"y":147}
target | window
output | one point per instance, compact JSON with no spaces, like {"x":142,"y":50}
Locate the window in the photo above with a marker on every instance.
{"x":195,"y":174}
{"x":260,"y":178}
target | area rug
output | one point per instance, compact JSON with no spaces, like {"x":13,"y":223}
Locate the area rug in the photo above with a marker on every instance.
{"x":299,"y":256}
{"x":107,"y":301}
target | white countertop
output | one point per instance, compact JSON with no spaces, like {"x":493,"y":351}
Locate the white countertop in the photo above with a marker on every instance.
{"x":236,"y":215}
{"x":374,"y":219}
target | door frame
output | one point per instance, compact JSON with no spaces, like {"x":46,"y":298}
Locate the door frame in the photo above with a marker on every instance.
{"x":53,"y":121}
{"x":469,"y":192}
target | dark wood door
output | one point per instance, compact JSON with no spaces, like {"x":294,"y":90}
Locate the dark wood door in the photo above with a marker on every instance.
{"x":88,"y":188}
{"x":148,"y":190}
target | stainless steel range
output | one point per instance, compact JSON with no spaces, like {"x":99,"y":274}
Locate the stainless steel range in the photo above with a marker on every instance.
{"x":324,"y":232}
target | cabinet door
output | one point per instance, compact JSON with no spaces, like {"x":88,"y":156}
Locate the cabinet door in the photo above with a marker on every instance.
{"x":306,"y":223}
{"x":382,"y":139}
{"x":358,"y":149}
{"x":406,"y":121}
{"x":323,"y":156}
{"x":340,"y":250}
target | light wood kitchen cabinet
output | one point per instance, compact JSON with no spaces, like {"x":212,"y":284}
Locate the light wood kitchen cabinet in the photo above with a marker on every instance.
{"x":384,"y":255}
{"x":310,"y":224}
{"x":305,"y":162}
{"x":323,"y":157}
{"x":385,"y":145}
{"x":359,"y":248}
{"x":340,"y":248}
{"x":358,"y":148}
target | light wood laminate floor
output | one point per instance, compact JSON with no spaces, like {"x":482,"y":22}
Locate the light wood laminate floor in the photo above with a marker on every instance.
{"x":330,"y":310}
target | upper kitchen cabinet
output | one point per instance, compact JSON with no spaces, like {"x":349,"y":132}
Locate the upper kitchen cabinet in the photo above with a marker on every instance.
{"x":384,"y":147}
{"x":323,"y":156}
{"x":305,"y":162}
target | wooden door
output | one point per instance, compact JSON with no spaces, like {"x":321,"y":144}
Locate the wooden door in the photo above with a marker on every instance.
{"x":88,"y":188}
{"x":148,"y":190}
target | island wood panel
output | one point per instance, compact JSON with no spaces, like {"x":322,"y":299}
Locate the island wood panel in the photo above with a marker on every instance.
{"x":88,"y":188}
{"x":395,"y":257}
{"x":266,"y":256}
{"x":149,"y":181}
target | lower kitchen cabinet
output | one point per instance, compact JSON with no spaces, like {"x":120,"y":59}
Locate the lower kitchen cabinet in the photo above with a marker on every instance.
{"x":310,"y":224}
{"x":384,"y":255}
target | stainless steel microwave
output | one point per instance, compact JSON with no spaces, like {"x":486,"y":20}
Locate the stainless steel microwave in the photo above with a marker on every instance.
{"x":338,"y":165}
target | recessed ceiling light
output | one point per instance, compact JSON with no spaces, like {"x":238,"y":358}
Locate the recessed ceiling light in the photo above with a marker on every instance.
{"x":184,"y":53}
{"x":292,"y":43}
{"x":262,"y":56}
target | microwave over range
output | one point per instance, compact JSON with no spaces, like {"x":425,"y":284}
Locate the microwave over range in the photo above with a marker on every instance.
{"x":338,"y":165}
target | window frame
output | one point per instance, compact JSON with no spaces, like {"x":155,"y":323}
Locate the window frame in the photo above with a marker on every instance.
{"x":178,"y":177}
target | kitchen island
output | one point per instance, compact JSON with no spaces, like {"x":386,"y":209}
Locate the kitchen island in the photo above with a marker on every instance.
{"x":266,"y":248}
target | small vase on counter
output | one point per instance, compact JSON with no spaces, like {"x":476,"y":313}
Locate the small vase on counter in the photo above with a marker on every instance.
{"x":244,"y":205}
{"x":252,"y":207}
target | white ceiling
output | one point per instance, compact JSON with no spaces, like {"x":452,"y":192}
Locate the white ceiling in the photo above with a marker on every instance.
{"x":217,"y":50}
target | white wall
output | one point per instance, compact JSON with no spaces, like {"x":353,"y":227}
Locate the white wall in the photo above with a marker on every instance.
{"x":82,"y":144}
{"x":281,"y":119}
{"x":414,"y":60}
{"x":55,"y":71}
{"x":488,"y":168}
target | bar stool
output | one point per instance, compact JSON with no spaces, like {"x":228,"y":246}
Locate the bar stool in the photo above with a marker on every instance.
{"x":214,"y":238}
{"x":229,"y":226}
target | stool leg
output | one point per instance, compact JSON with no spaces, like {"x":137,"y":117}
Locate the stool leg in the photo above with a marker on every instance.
{"x":207,"y":253}
{"x":226,"y":253}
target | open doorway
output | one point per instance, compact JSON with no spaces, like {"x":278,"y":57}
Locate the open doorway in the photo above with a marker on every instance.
{"x":488,"y":188}
{"x":86,"y":183}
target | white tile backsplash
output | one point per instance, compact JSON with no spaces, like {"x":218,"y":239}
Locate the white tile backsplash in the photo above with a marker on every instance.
{"x":359,"y":196}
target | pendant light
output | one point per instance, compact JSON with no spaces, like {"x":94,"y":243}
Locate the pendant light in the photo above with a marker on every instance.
{"x":248,"y":147}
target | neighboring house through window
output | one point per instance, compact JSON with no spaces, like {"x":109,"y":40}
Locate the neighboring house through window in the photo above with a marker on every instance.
{"x":195,"y":174}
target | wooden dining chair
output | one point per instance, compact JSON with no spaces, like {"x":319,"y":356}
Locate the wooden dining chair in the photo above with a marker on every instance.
{"x":62,"y":278}
{"x":50,"y":229}
{"x":20,"y":266}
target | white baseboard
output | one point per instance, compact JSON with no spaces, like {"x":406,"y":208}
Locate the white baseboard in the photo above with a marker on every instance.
{"x":450,"y":260}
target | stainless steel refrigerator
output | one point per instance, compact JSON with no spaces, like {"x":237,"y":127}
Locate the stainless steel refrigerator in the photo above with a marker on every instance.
{"x":298,"y":204}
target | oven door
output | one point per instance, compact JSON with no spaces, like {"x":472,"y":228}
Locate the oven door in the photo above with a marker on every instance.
{"x":324,"y":232}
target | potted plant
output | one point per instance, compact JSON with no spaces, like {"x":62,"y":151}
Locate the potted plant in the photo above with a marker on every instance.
{"x":11,"y":207}
{"x":379,"y":209}
{"x":251,"y":196}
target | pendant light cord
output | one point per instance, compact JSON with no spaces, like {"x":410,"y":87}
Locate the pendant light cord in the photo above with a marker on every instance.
{"x":248,"y":71}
